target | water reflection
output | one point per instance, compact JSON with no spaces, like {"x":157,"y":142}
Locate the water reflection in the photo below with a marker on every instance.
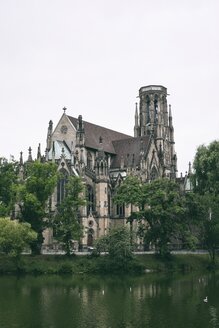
{"x":111,"y":302}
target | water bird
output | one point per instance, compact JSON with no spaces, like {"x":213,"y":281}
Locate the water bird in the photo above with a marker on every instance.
{"x":205,"y":299}
{"x":103,"y":292}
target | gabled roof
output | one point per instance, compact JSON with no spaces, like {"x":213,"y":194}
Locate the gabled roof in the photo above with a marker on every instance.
{"x":93,"y":133}
{"x":130,"y":151}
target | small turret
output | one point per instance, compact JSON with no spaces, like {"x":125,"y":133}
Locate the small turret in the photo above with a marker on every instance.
{"x":80,"y":135}
{"x":101,"y":163}
{"x":30,"y":159}
{"x":21,"y":167}
{"x":136,"y":127}
{"x":39,"y":153}
{"x":49,"y":135}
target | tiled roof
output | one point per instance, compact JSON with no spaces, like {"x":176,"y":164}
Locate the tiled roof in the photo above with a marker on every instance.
{"x":129,"y":151}
{"x":93,"y":133}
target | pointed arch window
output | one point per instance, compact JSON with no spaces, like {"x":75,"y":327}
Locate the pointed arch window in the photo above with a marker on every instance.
{"x":90,"y":200}
{"x":89,"y":161}
{"x":148,"y":109}
{"x":155,"y":109}
{"x":154,"y":173}
{"x":120,"y":210}
{"x":63,"y":179}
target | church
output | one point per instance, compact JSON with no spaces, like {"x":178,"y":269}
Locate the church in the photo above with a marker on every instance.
{"x":103,"y":158}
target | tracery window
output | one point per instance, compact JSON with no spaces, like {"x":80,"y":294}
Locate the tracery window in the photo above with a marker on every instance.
{"x":89,"y":161}
{"x":90,"y":200}
{"x":155,"y":109}
{"x":154,"y":173}
{"x":120,"y":210}
{"x":61,"y":185}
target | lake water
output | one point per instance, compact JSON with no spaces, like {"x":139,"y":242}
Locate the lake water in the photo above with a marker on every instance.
{"x":151,"y":301}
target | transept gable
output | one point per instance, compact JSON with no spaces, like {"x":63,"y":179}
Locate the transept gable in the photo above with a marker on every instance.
{"x":65,"y":131}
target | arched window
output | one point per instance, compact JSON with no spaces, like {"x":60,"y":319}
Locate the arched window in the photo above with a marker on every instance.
{"x":154,"y":173}
{"x":155,"y":109}
{"x":120,"y":210}
{"x":89,"y":161}
{"x":90,"y":200}
{"x":148,"y":109}
{"x":61,"y":185}
{"x":109,"y":203}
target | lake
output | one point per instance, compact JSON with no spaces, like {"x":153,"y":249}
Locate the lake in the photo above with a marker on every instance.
{"x":153,"y":301}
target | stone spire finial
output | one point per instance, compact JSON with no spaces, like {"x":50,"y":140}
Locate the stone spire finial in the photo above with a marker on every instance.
{"x":190,"y":168}
{"x":64,"y":109}
{"x":136,"y":108}
{"x":21,"y":158}
{"x":30,"y":159}
{"x":39,"y":153}
{"x":170,"y":111}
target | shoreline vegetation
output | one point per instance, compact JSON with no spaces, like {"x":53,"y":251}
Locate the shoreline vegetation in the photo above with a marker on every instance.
{"x":90,"y":264}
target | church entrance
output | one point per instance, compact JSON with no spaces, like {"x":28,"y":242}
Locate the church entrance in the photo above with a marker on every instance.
{"x":90,"y":238}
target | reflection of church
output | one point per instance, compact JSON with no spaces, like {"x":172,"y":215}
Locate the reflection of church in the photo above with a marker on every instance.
{"x":103,"y":158}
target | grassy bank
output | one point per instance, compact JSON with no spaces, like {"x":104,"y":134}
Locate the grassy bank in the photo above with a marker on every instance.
{"x":50,"y":264}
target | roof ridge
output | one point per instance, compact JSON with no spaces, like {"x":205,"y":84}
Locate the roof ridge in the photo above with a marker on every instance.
{"x":100,"y":126}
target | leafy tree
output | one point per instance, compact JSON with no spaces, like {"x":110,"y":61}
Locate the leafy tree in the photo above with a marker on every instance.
{"x":162,"y":213}
{"x":15,"y":236}
{"x":8,"y":176}
{"x":206,"y":169}
{"x":130,"y":193}
{"x":66,"y":222}
{"x":191,"y":222}
{"x":210,"y":225}
{"x":117,"y":244}
{"x":206,"y":183}
{"x":32,"y":196}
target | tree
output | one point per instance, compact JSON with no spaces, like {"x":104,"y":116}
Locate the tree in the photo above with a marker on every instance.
{"x":66,"y":222}
{"x":210,"y":224}
{"x":162,"y":213}
{"x":8,"y":176}
{"x":15,"y":236}
{"x":117,"y":244}
{"x":206,"y":184}
{"x":32,"y":196}
{"x":130,"y":193}
{"x":206,"y":169}
{"x":191,"y":223}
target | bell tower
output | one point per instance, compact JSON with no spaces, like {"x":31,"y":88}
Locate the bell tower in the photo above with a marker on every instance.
{"x":155,"y":120}
{"x":152,"y":109}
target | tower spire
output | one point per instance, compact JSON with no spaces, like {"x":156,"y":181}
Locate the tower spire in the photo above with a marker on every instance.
{"x":136,"y":127}
{"x":30,"y":159}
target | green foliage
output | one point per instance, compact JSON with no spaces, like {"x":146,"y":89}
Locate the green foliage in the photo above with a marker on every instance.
{"x":8,"y":176}
{"x":32,"y":196}
{"x":15,"y":236}
{"x":210,"y":224}
{"x":206,"y":169}
{"x":206,"y":184}
{"x":162,"y":213}
{"x":66,"y":223}
{"x":117,"y":244}
{"x":129,"y":192}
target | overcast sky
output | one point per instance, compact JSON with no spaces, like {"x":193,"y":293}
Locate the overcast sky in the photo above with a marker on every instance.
{"x":92,"y":56}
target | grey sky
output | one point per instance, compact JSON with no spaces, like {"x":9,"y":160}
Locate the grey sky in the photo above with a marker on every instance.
{"x":92,"y":56}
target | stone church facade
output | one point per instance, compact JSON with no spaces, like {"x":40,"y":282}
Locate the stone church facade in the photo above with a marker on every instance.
{"x":103,"y":158}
